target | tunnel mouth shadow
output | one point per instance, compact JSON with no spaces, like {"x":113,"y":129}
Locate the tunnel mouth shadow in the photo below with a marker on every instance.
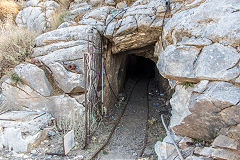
{"x":140,"y":67}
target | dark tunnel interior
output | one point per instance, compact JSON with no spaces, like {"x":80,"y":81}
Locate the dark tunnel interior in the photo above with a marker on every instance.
{"x":140,"y":67}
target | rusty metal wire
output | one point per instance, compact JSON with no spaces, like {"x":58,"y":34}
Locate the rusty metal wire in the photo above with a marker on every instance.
{"x":164,"y":17}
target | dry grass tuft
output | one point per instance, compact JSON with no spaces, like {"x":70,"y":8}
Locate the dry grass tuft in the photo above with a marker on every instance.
{"x":129,"y":2}
{"x":16,"y":45}
{"x":58,"y":16}
{"x":64,"y":3}
{"x":8,"y":10}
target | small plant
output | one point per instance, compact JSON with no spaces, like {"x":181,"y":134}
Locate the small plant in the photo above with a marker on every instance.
{"x":213,"y":134}
{"x":198,"y":140}
{"x":161,"y":136}
{"x":187,"y":84}
{"x":15,"y":78}
{"x":105,"y":152}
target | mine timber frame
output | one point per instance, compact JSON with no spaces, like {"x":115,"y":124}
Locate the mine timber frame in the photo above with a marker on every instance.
{"x":93,"y":80}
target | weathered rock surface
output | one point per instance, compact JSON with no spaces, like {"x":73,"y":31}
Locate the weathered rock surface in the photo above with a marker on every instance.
{"x":181,"y":56}
{"x":67,"y":46}
{"x":202,"y":45}
{"x":216,"y":108}
{"x":97,"y":18}
{"x":225,"y":142}
{"x":214,"y":62}
{"x":198,"y":158}
{"x":21,"y":95}
{"x":223,"y":154}
{"x":67,"y":81}
{"x":22,"y":130}
{"x":165,"y":151}
{"x":217,"y":21}
{"x":219,"y":61}
{"x":110,"y":2}
{"x":37,"y":15}
{"x":136,"y":26}
{"x":35,"y":78}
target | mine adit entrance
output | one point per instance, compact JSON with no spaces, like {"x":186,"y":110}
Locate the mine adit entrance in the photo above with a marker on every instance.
{"x":145,"y":92}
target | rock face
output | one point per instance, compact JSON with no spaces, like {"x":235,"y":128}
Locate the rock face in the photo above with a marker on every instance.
{"x":200,"y":46}
{"x":62,"y":47}
{"x":37,"y":15}
{"x":21,"y":95}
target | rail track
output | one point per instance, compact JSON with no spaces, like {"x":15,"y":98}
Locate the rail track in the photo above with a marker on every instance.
{"x":94,"y":155}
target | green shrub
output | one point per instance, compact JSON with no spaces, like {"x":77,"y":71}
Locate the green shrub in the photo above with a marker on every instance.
{"x":187,"y":84}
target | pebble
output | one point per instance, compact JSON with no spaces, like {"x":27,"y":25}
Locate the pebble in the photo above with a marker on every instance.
{"x":34,"y":155}
{"x":51,"y":133}
{"x":156,"y":104}
{"x":33,"y":152}
{"x":79,"y":157}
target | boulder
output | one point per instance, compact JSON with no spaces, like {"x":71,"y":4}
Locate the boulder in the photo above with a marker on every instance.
{"x":214,"y":109}
{"x":19,"y":96}
{"x":97,"y":18}
{"x":121,"y":5}
{"x":22,"y":130}
{"x":181,"y":56}
{"x":165,"y":151}
{"x":77,"y":10}
{"x":96,"y":2}
{"x":66,"y":80}
{"x":219,"y":60}
{"x":34,"y":77}
{"x":110,"y":2}
{"x":37,"y":15}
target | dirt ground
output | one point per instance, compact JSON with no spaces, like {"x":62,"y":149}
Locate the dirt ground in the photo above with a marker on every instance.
{"x":128,"y":138}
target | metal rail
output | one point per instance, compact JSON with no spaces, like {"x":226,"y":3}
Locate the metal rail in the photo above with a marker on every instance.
{"x":116,"y":123}
{"x":147,"y":124}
